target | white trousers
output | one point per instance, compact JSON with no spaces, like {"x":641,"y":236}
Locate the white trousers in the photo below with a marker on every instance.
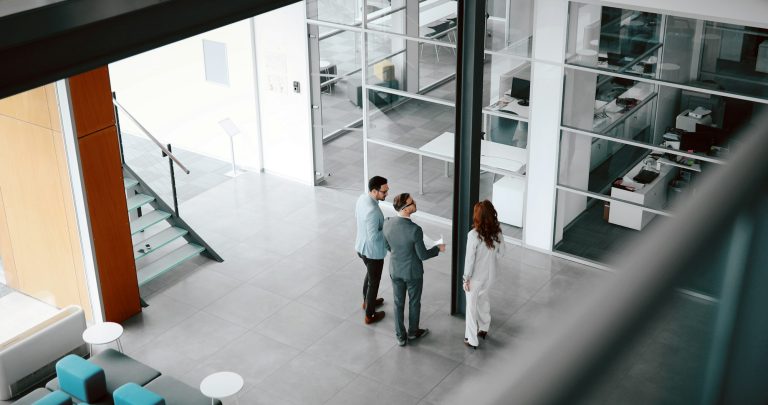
{"x":478,"y":311}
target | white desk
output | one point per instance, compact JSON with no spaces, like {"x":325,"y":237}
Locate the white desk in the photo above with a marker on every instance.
{"x":441,"y":12}
{"x":651,"y":195}
{"x":493,"y":155}
{"x":510,"y":105}
{"x":613,"y":111}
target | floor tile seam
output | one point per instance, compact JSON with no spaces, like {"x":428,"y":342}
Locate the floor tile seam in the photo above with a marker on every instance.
{"x":340,"y":365}
{"x":173,"y":324}
{"x":360,"y":375}
{"x":250,"y":328}
{"x":166,"y":330}
{"x":255,"y":327}
{"x":523,"y":305}
{"x":441,"y":381}
{"x":314,"y":357}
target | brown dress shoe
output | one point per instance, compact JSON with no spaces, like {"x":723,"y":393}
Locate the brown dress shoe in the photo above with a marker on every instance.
{"x":482,"y":334}
{"x":379,"y":302}
{"x":377,"y":316}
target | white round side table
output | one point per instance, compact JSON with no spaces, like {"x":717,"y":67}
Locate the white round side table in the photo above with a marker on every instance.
{"x":221,"y":385}
{"x":103,"y":333}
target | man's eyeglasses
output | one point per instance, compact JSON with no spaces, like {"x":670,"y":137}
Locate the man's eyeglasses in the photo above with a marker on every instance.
{"x":408,"y":205}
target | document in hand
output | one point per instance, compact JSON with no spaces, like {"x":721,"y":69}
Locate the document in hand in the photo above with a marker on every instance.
{"x":429,"y":243}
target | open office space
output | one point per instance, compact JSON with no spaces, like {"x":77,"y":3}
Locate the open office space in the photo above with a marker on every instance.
{"x":240,"y":145}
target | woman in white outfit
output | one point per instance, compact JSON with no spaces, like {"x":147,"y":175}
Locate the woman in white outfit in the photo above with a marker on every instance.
{"x":484,"y":248}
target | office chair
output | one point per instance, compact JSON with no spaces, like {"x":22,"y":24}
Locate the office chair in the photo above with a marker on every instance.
{"x":439,"y":31}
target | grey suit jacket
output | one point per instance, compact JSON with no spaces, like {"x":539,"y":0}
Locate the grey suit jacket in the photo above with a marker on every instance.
{"x":406,"y":242}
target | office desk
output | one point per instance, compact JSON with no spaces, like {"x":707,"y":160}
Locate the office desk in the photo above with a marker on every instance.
{"x":493,"y":155}
{"x":652,"y":195}
{"x":614,"y":112}
{"x":438,"y":13}
{"x":510,"y":104}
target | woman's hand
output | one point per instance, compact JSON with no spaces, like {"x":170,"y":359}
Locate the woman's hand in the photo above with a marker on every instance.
{"x":466,"y":285}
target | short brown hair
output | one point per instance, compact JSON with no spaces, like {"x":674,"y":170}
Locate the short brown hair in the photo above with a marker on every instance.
{"x":400,"y":201}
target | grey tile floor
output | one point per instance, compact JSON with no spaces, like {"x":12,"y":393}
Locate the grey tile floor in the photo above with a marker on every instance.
{"x":283,"y":310}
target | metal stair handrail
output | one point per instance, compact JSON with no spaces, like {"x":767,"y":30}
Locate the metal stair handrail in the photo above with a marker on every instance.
{"x":568,"y":354}
{"x":150,"y":136}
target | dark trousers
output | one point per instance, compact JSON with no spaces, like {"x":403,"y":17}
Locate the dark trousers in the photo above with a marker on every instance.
{"x":371,"y":283}
{"x":413,"y":288}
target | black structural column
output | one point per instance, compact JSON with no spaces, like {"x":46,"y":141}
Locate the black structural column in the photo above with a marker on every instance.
{"x":469,"y":91}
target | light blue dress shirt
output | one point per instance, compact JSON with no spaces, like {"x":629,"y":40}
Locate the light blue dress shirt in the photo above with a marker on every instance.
{"x":370,"y":221}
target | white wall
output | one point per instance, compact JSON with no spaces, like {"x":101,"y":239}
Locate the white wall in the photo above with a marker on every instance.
{"x":281,"y":59}
{"x":166,"y":90}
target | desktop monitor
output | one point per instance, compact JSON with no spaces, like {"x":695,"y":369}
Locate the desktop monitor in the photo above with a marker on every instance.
{"x":695,"y":141}
{"x":521,"y":89}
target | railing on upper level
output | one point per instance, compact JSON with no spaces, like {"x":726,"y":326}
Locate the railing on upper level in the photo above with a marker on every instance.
{"x":645,"y":336}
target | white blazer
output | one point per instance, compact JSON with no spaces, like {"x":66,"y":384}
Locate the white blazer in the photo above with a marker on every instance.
{"x":481,"y":261}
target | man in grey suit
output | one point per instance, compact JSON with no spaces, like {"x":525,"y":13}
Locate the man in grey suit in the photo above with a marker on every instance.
{"x":370,"y":244}
{"x":405,"y":240}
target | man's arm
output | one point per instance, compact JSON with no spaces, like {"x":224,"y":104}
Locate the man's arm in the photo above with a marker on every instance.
{"x":421,"y":251}
{"x":373,"y":228}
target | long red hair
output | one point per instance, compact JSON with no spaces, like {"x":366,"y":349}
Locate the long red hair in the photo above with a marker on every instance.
{"x":486,"y":223}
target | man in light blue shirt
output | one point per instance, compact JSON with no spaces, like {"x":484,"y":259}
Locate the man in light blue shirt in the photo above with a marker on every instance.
{"x":370,"y":244}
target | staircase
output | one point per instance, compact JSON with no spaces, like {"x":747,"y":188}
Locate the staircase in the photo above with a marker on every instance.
{"x":162,"y":240}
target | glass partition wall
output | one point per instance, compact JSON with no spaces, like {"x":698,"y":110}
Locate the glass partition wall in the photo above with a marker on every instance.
{"x":405,"y":99}
{"x":650,"y":103}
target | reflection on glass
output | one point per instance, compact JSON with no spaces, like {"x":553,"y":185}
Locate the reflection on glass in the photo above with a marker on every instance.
{"x":627,"y":172}
{"x":336,"y":11}
{"x":585,"y":226}
{"x":340,"y":76}
{"x":703,"y":54}
{"x":735,"y":58}
{"x":613,"y":106}
{"x":507,"y":193}
{"x":409,"y":122}
{"x":507,"y":85}
{"x":509,"y":26}
{"x":402,"y":170}
{"x":388,"y":66}
{"x":614,"y":39}
{"x":507,"y":131}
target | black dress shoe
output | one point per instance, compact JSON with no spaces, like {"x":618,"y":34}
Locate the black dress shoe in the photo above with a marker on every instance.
{"x":466,"y":343}
{"x":482,"y":334}
{"x":379,"y":302}
{"x":418,"y":334}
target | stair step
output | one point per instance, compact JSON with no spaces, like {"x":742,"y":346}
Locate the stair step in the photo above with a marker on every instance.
{"x":167,"y":262}
{"x":157,"y":241}
{"x":128,"y":182}
{"x":138,"y":200}
{"x":147,"y":220}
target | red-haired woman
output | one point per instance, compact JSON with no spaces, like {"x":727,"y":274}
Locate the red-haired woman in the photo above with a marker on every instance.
{"x":485,"y":245}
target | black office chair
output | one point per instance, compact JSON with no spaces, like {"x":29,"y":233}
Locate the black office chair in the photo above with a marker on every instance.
{"x":439,"y":31}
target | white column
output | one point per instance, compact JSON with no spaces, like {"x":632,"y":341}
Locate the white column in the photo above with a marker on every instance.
{"x":81,"y":205}
{"x":549,"y":35}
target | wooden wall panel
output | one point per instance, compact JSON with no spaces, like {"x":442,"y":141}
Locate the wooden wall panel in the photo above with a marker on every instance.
{"x":110,"y":229}
{"x":31,"y":107}
{"x":91,"y":96}
{"x":37,"y":229}
{"x":6,"y":246}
